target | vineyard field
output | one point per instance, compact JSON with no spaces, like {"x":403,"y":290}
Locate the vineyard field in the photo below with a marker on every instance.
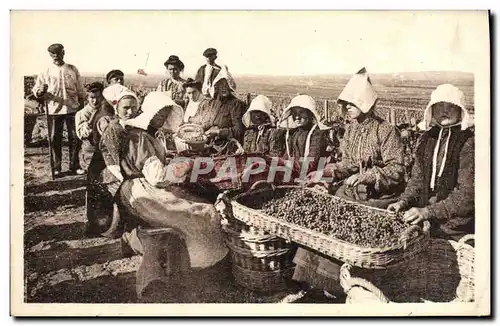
{"x":405,"y":93}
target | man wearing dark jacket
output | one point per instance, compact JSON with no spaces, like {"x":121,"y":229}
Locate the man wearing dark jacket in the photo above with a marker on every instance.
{"x":207,"y":73}
{"x":441,"y":187}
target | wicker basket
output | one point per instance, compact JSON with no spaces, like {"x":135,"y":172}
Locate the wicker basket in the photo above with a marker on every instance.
{"x":257,"y":251}
{"x":260,"y":261}
{"x":434,"y":276}
{"x":414,"y":240}
{"x":465,"y":257}
{"x":273,"y":281}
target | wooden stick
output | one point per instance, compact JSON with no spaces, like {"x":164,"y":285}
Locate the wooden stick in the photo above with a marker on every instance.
{"x":49,"y":131}
{"x":326,"y":113}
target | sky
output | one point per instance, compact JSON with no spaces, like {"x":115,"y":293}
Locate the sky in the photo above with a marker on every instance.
{"x":252,"y":42}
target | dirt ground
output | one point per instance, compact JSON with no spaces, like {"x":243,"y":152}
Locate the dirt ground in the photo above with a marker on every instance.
{"x":63,"y":266}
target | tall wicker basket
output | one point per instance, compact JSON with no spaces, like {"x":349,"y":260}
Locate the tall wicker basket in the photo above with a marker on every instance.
{"x":260,"y":261}
{"x":444,"y":273}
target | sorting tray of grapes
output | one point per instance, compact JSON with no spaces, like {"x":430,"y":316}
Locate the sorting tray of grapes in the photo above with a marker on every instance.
{"x":357,"y":234}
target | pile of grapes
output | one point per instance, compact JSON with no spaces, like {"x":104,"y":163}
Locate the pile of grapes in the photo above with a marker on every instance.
{"x":354,"y":224}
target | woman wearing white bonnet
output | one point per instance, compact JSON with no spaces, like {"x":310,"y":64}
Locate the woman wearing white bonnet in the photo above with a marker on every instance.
{"x":441,"y":187}
{"x":372,"y":150}
{"x":105,"y":177}
{"x":304,"y":135}
{"x":372,"y":157}
{"x":177,"y":229}
{"x":260,"y":134}
{"x":221,"y":114}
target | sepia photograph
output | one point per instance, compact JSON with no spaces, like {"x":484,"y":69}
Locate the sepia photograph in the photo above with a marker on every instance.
{"x":314,"y":163}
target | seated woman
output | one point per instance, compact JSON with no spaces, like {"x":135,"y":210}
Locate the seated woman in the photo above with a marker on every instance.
{"x":104,"y":174}
{"x":303,"y":133}
{"x":441,"y":186}
{"x":260,"y":136}
{"x":194,"y":98}
{"x":367,"y":138}
{"x":221,"y":114}
{"x":174,"y":84}
{"x":177,"y":230}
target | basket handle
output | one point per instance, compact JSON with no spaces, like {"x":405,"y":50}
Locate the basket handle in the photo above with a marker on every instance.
{"x":465,"y":239}
{"x":222,"y":205}
{"x":414,"y":229}
{"x":348,"y":282}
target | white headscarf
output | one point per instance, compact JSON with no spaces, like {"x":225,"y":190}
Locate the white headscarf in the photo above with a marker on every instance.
{"x":359,"y":91}
{"x":286,"y":121}
{"x":303,"y":101}
{"x":450,"y":94}
{"x":260,"y":103}
{"x":153,"y":103}
{"x":223,"y":74}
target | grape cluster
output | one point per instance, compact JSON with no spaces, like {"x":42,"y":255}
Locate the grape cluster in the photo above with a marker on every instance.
{"x":351,"y":223}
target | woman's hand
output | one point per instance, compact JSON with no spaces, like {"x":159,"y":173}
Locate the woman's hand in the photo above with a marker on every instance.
{"x":213,"y":131}
{"x":352,"y":181}
{"x":417,"y":215}
{"x":396,"y":207}
{"x":314,"y":177}
{"x":86,"y":130}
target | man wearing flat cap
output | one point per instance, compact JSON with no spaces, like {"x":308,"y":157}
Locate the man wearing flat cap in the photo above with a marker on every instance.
{"x":207,"y":73}
{"x":115,"y":77}
{"x":115,"y":81}
{"x":59,"y":86}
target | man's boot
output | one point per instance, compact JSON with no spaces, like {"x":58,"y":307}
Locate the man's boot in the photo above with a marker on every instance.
{"x":164,"y":267}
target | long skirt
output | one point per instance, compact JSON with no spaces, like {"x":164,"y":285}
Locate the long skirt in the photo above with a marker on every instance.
{"x":194,"y":219}
{"x":103,"y":216}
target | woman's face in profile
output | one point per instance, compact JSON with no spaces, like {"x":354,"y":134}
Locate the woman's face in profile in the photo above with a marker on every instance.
{"x":222,"y":88}
{"x":353,"y":111}
{"x":159,"y":118}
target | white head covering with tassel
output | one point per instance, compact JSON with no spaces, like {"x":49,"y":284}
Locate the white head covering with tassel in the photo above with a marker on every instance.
{"x":359,"y":91}
{"x":223,"y":74}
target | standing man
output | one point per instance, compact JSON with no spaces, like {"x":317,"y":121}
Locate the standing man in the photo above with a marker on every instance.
{"x":115,"y":76}
{"x":115,"y":80}
{"x":207,"y":73}
{"x":61,"y":89}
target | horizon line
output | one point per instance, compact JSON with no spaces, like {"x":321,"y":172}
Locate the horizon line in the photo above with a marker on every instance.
{"x":156,"y":74}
